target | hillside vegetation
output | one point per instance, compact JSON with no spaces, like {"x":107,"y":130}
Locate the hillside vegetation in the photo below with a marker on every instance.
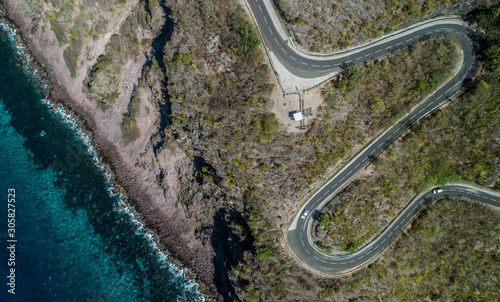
{"x":188,"y":85}
{"x":323,"y":26}
{"x":220,"y":116}
{"x":432,"y":261}
{"x":458,"y":143}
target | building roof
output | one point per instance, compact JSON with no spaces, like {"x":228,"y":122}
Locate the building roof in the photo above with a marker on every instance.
{"x":297,"y":116}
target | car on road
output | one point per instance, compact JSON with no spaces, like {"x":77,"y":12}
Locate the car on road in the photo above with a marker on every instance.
{"x":304,"y":214}
{"x":437,"y":190}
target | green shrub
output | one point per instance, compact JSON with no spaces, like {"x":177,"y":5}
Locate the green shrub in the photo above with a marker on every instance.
{"x":249,"y":36}
{"x":351,"y":247}
{"x":269,"y":124}
{"x":71,"y":58}
{"x":184,"y":58}
{"x":323,"y":220}
{"x":343,"y":44}
{"x":264,"y":253}
{"x":102,"y":63}
{"x":413,"y":9}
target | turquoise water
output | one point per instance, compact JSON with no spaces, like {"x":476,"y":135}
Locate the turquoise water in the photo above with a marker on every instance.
{"x":72,"y":245}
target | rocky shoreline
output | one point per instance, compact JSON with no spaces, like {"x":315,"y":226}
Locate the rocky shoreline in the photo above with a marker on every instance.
{"x":133,"y":193}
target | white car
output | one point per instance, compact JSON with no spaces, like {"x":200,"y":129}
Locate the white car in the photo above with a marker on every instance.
{"x":304,"y":214}
{"x":437,"y":190}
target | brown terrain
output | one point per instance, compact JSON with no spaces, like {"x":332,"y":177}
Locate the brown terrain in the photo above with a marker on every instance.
{"x":325,"y":26}
{"x":181,"y":104}
{"x":135,"y":165}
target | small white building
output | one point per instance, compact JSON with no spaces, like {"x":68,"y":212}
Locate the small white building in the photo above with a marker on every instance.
{"x":298,"y":116}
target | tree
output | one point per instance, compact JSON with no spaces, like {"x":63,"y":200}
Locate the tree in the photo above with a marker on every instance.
{"x":323,"y":220}
{"x":249,"y":36}
{"x":414,"y":9}
{"x":264,"y":253}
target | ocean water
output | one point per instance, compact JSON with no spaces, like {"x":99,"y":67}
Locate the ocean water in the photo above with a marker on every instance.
{"x":69,"y":238}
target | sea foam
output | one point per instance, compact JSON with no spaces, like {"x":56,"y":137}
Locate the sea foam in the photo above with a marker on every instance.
{"x":67,"y":118}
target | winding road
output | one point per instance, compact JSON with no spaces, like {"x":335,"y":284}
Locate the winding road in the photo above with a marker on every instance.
{"x":303,"y":65}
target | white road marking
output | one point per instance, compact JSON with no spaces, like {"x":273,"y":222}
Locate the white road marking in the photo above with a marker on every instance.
{"x":260,"y":8}
{"x":293,"y":58}
{"x":421,"y":110}
{"x":270,"y":30}
{"x":265,"y":19}
{"x":284,"y":50}
{"x":276,"y":40}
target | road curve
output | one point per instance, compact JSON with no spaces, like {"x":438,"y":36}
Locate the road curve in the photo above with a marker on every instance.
{"x":300,"y":243}
{"x":306,"y":66}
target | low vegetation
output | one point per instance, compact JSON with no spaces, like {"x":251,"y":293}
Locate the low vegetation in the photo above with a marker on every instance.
{"x":104,"y":82}
{"x":324,"y":26}
{"x":212,"y":90}
{"x":73,"y":25}
{"x":450,"y":254}
{"x":379,"y":91}
{"x":130,"y":130}
{"x":437,"y":151}
{"x":220,"y":111}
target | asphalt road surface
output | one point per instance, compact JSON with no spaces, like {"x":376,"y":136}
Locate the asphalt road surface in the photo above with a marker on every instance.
{"x":298,"y":235}
{"x":301,"y":245}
